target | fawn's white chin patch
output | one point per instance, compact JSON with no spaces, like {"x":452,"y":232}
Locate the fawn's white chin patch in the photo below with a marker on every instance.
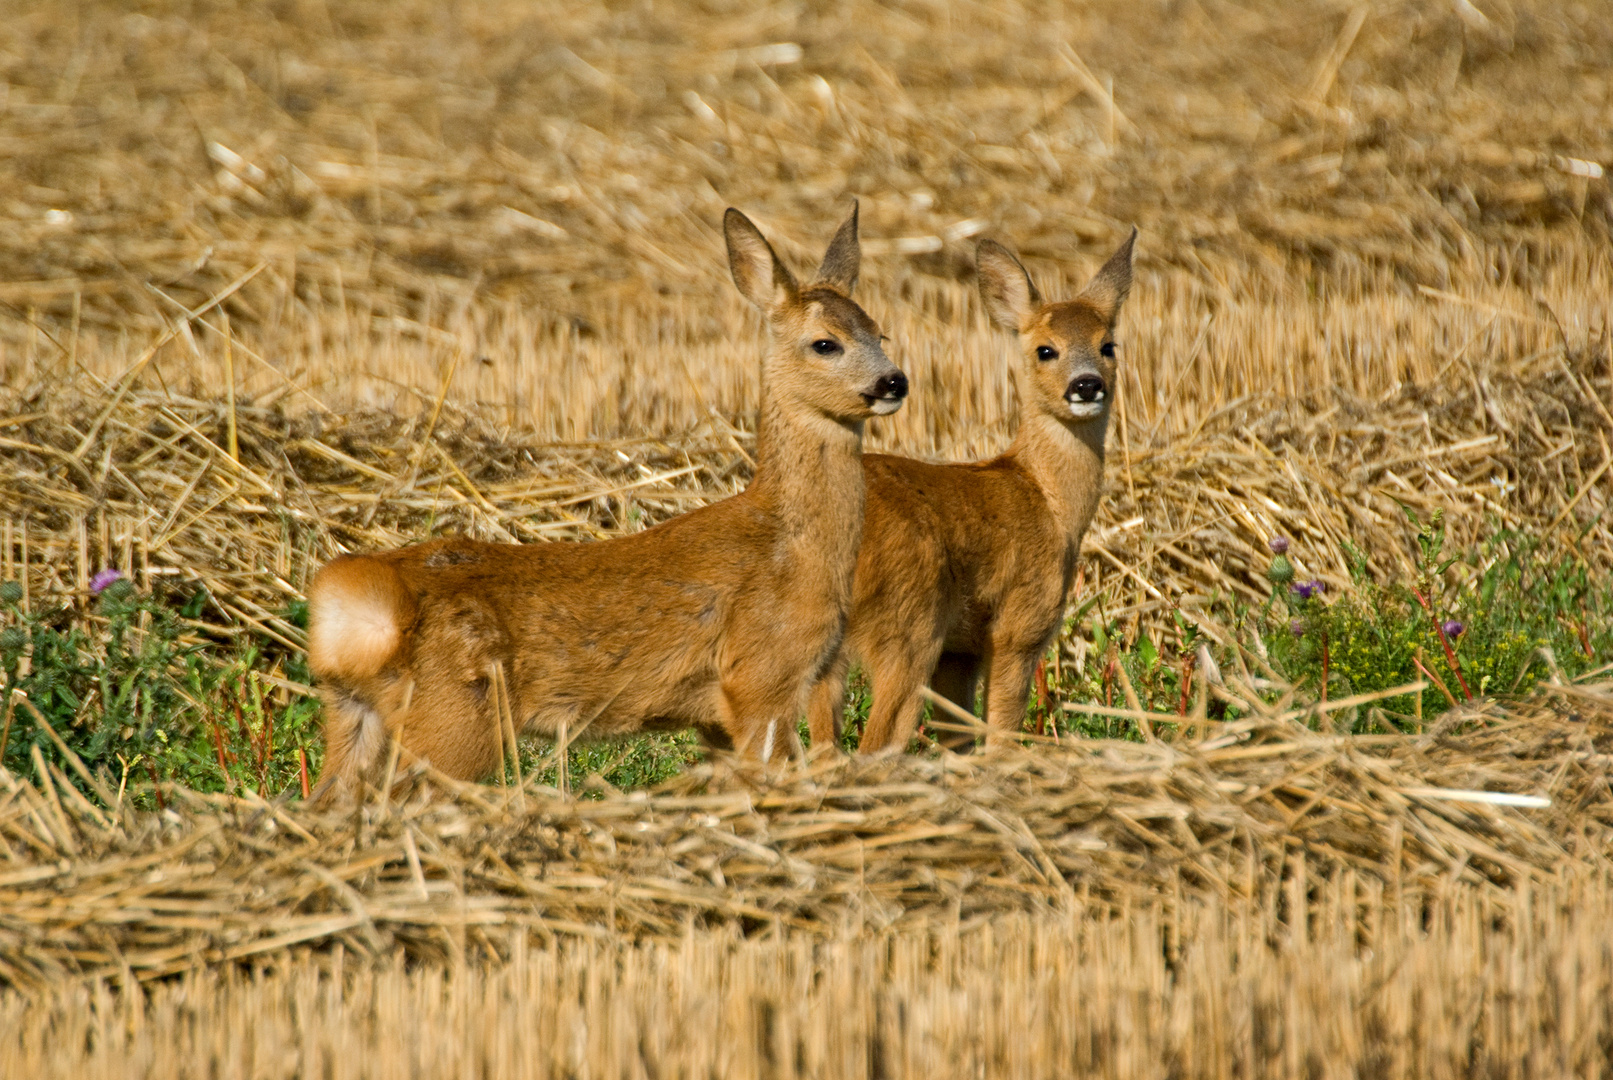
{"x":884,"y":406}
{"x":1086,"y":410}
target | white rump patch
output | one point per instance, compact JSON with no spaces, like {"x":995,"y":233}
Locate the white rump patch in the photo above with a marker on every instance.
{"x":354,"y":633}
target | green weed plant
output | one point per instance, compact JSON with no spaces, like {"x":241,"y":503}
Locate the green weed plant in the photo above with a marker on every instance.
{"x":141,"y":699}
{"x":145,"y":696}
{"x":1477,"y":623}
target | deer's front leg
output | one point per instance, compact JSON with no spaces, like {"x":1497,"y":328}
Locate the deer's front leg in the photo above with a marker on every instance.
{"x":761,"y":703}
{"x":1008,"y":685}
{"x":826,"y":710}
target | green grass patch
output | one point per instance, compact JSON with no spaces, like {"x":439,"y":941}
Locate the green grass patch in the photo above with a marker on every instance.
{"x":144,"y":694}
{"x":1482,"y":622}
{"x":133,"y":690}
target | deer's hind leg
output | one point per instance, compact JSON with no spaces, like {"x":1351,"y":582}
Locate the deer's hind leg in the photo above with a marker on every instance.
{"x":898,"y":670}
{"x":355,"y":732}
{"x":446,"y":712}
{"x":450,"y":725}
{"x":1008,"y":685}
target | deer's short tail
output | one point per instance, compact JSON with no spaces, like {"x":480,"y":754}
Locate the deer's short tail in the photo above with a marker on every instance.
{"x":358,"y":612}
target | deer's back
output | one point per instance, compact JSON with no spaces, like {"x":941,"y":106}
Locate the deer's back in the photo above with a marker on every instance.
{"x":626,"y":629}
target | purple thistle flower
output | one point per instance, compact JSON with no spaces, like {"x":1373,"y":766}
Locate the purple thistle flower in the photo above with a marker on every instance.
{"x":1278,"y":545}
{"x":1307,"y":589}
{"x":104,"y":578}
{"x":1453,"y":628}
{"x":1298,"y":627}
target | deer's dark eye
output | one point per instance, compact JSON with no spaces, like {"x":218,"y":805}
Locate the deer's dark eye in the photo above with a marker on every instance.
{"x":825,"y":347}
{"x":1108,"y":349}
{"x":1046,"y":352}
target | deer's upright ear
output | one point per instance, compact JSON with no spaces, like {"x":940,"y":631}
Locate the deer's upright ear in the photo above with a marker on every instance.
{"x":1108,"y":288}
{"x":1005,"y":287}
{"x":761,"y":277}
{"x":844,"y":256}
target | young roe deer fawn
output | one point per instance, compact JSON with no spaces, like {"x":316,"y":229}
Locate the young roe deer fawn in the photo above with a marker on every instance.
{"x":965,"y":569}
{"x":721,"y":619}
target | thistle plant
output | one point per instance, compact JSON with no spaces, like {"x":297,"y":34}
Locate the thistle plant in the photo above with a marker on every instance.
{"x":1281,"y":571}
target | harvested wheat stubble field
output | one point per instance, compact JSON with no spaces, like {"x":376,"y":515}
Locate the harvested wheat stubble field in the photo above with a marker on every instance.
{"x":283,"y":280}
{"x":1269,"y":902}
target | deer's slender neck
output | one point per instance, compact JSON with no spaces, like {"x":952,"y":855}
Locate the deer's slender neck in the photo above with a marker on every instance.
{"x":1066,"y":462}
{"x":809,"y":477}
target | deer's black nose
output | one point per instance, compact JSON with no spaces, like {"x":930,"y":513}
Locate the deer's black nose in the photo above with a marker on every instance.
{"x":1086,"y":388}
{"x":892,"y":387}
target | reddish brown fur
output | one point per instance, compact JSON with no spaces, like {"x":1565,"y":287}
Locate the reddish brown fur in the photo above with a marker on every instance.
{"x":965,"y":569}
{"x":720,"y":619}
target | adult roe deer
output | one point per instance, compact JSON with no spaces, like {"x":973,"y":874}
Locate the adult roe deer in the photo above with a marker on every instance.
{"x":720,"y":619}
{"x":965,"y":569}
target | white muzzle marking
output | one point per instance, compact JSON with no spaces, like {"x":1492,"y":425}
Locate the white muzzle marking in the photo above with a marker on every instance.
{"x":1086,"y":410}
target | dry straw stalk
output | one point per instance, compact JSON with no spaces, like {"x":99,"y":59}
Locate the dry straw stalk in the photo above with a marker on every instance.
{"x":445,"y":869}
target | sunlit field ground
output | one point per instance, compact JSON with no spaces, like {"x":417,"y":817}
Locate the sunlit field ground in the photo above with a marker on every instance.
{"x":279,"y":281}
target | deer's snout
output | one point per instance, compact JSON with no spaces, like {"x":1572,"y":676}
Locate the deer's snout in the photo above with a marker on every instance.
{"x":1088,"y":387}
{"x":1087,"y":395}
{"x":893,"y":386}
{"x":887,"y":393}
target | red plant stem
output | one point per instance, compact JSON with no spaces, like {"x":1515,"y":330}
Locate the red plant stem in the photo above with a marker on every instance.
{"x":263,"y":753}
{"x":156,"y":787}
{"x":1450,"y":653}
{"x":1187,"y":683}
{"x":1043,"y":696}
{"x":1450,"y":697}
{"x":218,"y":745}
{"x":302,"y":764}
{"x":267,"y":750}
{"x":1108,"y":684}
{"x":5,"y":735}
{"x":235,"y":703}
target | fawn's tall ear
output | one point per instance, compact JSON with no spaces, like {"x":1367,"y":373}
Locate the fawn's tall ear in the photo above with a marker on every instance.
{"x":1005,"y":287}
{"x":844,"y":256}
{"x":761,"y":277}
{"x":1108,"y":288}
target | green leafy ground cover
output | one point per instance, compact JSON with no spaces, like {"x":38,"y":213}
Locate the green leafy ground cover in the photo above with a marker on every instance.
{"x":1487,"y":621}
{"x":144,"y":694}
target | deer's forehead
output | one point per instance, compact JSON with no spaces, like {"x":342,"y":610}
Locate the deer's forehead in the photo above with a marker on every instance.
{"x":1073,"y":320}
{"x":841,"y":314}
